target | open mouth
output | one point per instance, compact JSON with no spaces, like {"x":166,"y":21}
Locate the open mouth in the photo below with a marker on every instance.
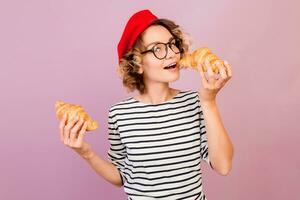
{"x":172,"y":66}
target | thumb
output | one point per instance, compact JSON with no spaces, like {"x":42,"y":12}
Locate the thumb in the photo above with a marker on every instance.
{"x":202,"y":75}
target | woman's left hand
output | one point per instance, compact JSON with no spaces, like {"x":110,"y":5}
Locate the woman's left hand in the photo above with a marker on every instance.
{"x":212,"y":85}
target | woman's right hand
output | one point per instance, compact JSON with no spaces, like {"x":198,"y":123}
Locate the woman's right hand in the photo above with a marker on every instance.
{"x":72,"y":134}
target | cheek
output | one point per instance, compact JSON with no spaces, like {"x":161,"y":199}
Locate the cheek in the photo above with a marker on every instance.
{"x":152,"y":66}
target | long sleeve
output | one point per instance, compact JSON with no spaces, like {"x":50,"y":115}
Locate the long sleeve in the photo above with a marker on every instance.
{"x":117,"y":151}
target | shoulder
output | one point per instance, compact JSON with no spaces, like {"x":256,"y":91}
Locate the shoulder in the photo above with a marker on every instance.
{"x":121,"y":105}
{"x":189,"y":98}
{"x":189,"y":93}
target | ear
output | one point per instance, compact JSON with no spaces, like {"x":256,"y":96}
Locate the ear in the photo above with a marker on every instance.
{"x":140,"y":70}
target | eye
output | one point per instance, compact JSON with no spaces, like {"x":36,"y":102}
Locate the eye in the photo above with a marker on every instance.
{"x":156,"y":48}
{"x":178,"y":43}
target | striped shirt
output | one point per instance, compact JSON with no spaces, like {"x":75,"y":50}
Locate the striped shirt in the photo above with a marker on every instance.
{"x":158,"y":148}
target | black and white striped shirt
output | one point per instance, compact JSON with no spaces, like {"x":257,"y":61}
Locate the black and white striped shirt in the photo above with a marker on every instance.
{"x":157,"y":148}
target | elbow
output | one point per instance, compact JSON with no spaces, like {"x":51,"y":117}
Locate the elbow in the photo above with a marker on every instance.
{"x":118,"y":185}
{"x":225,"y":170}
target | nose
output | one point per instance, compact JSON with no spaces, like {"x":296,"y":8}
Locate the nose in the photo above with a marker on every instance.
{"x":170,"y":52}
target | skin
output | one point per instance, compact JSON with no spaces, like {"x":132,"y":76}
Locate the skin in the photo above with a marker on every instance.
{"x":157,"y":91}
{"x":72,"y":134}
{"x":220,"y":146}
{"x":157,"y":82}
{"x":156,"y":78}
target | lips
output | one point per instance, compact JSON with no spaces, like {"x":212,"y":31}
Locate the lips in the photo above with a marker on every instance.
{"x":171,"y":66}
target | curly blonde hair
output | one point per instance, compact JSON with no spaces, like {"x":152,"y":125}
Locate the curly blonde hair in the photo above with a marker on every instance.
{"x":132,"y":60}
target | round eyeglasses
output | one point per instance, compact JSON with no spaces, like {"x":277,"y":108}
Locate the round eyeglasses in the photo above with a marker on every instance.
{"x":160,"y":50}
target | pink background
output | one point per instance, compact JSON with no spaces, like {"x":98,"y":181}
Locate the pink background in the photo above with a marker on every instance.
{"x":66,"y":50}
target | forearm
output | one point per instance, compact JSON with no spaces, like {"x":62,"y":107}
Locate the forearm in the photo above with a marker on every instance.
{"x":104,"y":168}
{"x":220,"y":147}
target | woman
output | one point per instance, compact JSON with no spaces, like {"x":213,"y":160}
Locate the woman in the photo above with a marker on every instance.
{"x":158,"y":138}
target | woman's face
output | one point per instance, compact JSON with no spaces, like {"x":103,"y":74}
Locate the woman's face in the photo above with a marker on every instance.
{"x":152,"y":67}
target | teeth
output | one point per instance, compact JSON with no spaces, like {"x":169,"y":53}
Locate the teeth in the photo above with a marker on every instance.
{"x":170,"y":66}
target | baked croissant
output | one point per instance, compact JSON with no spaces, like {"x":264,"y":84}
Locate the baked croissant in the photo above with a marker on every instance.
{"x":198,"y":56}
{"x":72,"y":111}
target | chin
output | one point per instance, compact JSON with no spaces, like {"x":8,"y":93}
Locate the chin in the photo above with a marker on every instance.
{"x":174,"y":77}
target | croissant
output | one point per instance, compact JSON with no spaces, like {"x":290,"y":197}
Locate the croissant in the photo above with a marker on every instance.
{"x":72,"y":111}
{"x":198,"y":56}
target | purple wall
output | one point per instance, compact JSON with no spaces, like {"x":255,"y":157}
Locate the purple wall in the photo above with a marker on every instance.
{"x":66,"y":50}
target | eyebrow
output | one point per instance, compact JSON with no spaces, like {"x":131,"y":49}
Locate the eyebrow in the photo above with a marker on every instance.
{"x":158,"y":42}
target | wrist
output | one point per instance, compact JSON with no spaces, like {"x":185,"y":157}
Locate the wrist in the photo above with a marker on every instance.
{"x":84,"y":150}
{"x":208,"y":102}
{"x":204,"y":99}
{"x":87,"y":155}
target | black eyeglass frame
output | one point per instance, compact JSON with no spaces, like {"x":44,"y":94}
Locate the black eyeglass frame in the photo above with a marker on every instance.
{"x":177,"y":40}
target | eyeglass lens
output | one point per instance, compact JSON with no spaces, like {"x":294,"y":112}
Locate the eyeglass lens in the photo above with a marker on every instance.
{"x":160,"y":49}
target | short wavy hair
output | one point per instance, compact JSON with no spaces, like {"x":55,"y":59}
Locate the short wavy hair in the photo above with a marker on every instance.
{"x":132,"y":60}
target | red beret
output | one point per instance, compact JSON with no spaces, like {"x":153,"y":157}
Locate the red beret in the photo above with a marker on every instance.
{"x":137,"y":23}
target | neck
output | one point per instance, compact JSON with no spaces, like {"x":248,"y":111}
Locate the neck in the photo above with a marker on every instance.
{"x":158,"y":94}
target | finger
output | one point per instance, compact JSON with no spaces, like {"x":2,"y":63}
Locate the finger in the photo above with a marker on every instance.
{"x":82,"y":131}
{"x":216,"y":66}
{"x":61,"y":126}
{"x":74,"y":131}
{"x":222,"y":70}
{"x":222,"y":80}
{"x":228,"y":68}
{"x":68,"y":128}
{"x":202,"y":75}
{"x":210,"y":72}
